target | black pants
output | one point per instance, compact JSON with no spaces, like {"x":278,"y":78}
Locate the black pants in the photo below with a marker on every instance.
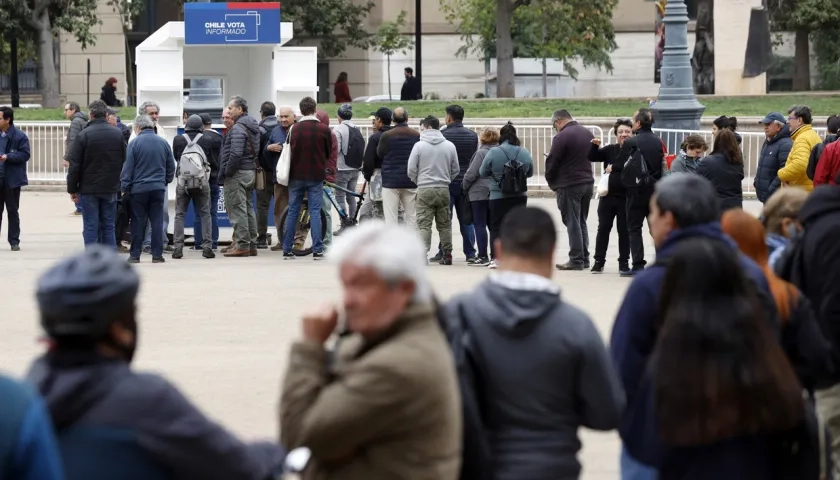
{"x":10,"y":201}
{"x":498,"y":209}
{"x":612,"y":208}
{"x":638,"y":208}
{"x":123,"y":218}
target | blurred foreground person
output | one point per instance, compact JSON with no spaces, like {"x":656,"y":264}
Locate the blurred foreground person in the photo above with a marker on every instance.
{"x":516,"y":321}
{"x":111,"y":422}
{"x":385,"y":404}
{"x":28,"y":450}
{"x":721,"y":416}
{"x":781,"y":220}
{"x":802,"y":339}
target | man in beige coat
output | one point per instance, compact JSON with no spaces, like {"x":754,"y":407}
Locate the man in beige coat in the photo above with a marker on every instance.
{"x":388,"y":405}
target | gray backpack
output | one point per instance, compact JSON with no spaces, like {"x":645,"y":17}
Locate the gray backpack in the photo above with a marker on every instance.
{"x":193,"y":169}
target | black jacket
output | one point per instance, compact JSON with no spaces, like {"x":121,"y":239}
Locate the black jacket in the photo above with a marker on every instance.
{"x":466,"y":144}
{"x":394,"y":148}
{"x":109,"y":96}
{"x":820,"y":276}
{"x":774,"y":154}
{"x":816,"y":153}
{"x":94,"y":397}
{"x":210,"y":142}
{"x":651,"y":147}
{"x":96,"y":159}
{"x":726,"y":178}
{"x":609,"y":156}
{"x":805,"y":345}
{"x":567,"y":164}
{"x":411,"y":90}
{"x":267,"y":126}
{"x":372,"y":160}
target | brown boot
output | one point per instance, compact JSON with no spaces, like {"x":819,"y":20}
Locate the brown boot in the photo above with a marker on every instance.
{"x":237,"y":253}
{"x":253,"y":252}
{"x":229,"y":248}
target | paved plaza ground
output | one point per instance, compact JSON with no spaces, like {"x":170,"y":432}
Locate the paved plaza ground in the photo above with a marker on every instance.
{"x":221,"y":329}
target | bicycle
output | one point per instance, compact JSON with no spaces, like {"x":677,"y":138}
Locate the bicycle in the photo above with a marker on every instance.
{"x":300,"y":247}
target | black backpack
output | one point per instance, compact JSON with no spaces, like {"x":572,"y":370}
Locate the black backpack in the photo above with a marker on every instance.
{"x":355,"y":148}
{"x":636,"y":171}
{"x":514,"y":177}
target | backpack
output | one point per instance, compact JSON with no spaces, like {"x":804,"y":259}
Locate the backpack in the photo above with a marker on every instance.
{"x":514,"y":177}
{"x":355,"y":153}
{"x":636,"y":171}
{"x":193,"y":167}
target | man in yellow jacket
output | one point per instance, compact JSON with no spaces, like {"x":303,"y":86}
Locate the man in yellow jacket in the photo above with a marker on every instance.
{"x":794,"y":173}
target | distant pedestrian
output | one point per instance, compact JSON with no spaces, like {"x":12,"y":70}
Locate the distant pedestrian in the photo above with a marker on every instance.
{"x":795,"y":170}
{"x":725,"y":123}
{"x":397,"y":189}
{"x":433,"y":165}
{"x":372,"y":166}
{"x":725,"y":169}
{"x":109,"y":93}
{"x":411,"y":87}
{"x":214,"y":140}
{"x":241,"y":158}
{"x":14,"y":153}
{"x":691,"y":153}
{"x":268,"y":122}
{"x":466,"y":143}
{"x":477,"y":188}
{"x":330,"y":176}
{"x":569,"y":174}
{"x":342,"y":89}
{"x":276,"y":143}
{"x":351,"y":152}
{"x":774,"y":155}
{"x":96,"y":160}
{"x":149,"y":167}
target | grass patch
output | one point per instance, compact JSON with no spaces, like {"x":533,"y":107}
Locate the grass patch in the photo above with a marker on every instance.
{"x":822,"y":105}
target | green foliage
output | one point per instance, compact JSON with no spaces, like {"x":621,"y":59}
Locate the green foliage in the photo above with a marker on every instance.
{"x":337,"y":24}
{"x":21,"y":18}
{"x":389,"y":38}
{"x":820,"y":18}
{"x":567,"y":30}
{"x":825,"y":42}
{"x":26,"y":51}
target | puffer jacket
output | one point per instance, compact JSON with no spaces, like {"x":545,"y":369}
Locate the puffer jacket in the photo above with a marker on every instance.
{"x":816,"y":154}
{"x":96,"y":159}
{"x":77,"y":124}
{"x":238,"y":155}
{"x":774,"y":155}
{"x":466,"y":144}
{"x":794,"y":172}
{"x":394,"y":149}
{"x":477,"y":186}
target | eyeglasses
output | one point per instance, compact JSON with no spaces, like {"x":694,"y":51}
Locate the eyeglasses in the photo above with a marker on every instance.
{"x":793,"y":118}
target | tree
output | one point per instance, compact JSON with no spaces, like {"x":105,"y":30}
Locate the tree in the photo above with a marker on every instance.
{"x":574,"y":30}
{"x":390,"y":40}
{"x":804,"y":18}
{"x":337,"y":24}
{"x":128,"y":11}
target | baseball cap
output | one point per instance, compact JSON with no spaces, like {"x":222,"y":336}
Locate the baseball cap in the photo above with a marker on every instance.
{"x":384,"y":114}
{"x":773,"y":117}
{"x":345,"y":112}
{"x":205,"y":119}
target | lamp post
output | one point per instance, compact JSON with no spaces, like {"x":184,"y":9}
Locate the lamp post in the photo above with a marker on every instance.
{"x":677,"y":106}
{"x":418,"y":46}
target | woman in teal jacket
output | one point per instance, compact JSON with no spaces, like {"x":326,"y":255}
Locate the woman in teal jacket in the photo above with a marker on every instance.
{"x":493,"y":166}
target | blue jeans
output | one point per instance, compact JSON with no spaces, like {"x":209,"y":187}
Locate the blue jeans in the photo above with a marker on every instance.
{"x":467,"y":230}
{"x":214,"y":210}
{"x":480,"y":211}
{"x":165,"y":217}
{"x":314,"y":191}
{"x":99,"y":216}
{"x":79,"y":206}
{"x":147,"y":207}
{"x":632,"y":469}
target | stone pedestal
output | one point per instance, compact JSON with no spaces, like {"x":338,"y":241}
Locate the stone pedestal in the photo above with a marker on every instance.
{"x":677,"y":106}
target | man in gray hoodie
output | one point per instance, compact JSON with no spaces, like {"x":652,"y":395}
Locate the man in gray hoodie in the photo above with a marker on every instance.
{"x":539,"y":364}
{"x":240,"y":164}
{"x":432,"y":166}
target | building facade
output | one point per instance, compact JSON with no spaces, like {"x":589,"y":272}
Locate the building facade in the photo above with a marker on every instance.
{"x":444,"y":74}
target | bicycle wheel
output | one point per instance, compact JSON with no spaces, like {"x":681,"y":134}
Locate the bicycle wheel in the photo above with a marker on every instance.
{"x":303,"y":240}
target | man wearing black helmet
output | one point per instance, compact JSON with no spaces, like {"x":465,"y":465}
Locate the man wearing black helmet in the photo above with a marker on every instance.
{"x":109,"y":419}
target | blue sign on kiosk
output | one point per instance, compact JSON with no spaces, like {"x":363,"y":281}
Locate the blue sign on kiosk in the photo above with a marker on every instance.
{"x":232,"y":23}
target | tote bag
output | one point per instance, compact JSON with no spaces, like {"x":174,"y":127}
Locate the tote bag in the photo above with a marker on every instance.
{"x":604,"y":185}
{"x":285,"y":161}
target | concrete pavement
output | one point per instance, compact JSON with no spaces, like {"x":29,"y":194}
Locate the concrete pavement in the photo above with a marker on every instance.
{"x":221,"y":329}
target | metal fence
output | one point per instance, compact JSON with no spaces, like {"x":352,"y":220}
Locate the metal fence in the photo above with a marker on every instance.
{"x":47,"y":141}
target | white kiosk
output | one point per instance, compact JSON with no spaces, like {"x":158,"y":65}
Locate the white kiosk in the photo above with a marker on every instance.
{"x":232,"y":48}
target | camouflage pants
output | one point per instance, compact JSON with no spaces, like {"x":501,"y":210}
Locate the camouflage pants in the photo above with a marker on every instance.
{"x":433,"y":204}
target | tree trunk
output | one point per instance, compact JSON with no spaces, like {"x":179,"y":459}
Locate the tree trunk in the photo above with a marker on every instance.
{"x":802,"y":62}
{"x":544,"y":70}
{"x":389,"y":77}
{"x":505,"y":81}
{"x":50,"y":95}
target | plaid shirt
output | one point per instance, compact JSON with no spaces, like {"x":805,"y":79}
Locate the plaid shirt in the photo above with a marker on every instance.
{"x":311,"y":144}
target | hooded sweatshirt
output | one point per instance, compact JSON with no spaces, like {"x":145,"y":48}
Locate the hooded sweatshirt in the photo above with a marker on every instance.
{"x":90,"y":393}
{"x":243,"y":146}
{"x":544,"y":373}
{"x":433,"y":161}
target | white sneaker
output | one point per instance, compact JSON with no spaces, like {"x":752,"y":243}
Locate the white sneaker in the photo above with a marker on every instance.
{"x":493,"y":265}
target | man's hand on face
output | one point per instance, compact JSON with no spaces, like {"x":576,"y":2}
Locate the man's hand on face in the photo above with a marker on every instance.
{"x":319,"y":324}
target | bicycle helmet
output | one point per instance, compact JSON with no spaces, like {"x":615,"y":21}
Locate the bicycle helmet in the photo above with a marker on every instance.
{"x":80,"y":295}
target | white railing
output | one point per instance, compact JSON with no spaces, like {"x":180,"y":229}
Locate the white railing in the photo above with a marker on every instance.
{"x":47,"y":143}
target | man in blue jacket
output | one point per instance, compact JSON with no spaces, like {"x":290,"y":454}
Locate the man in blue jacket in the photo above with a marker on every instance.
{"x":149,"y":167}
{"x":682,"y":207}
{"x":110,"y":419}
{"x":14,"y":153}
{"x":28,"y":449}
{"x":774,"y":154}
